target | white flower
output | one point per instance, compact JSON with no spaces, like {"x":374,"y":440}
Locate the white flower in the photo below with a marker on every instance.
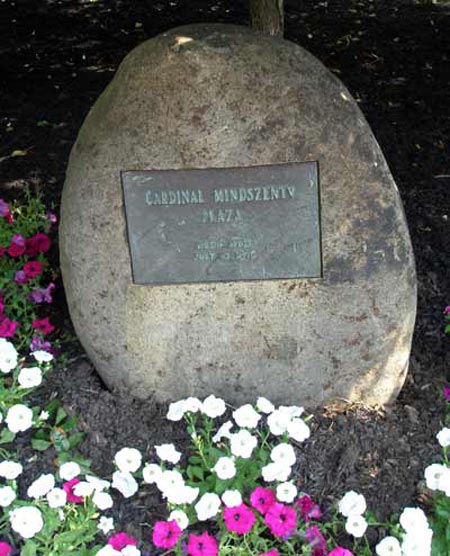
{"x":19,"y":418}
{"x":30,"y":377}
{"x":102,"y":500}
{"x":283,"y":453}
{"x":98,"y":484}
{"x":413,"y":520}
{"x":417,"y":544}
{"x":437,"y":477}
{"x":10,"y":470}
{"x":69,"y":470}
{"x":213,"y":407}
{"x":44,"y":415}
{"x":105,"y":524}
{"x":192,"y":405}
{"x":264,"y":405}
{"x":183,"y":495}
{"x":389,"y":546}
{"x":128,"y":460}
{"x":167,"y":452}
{"x":7,"y":496}
{"x":356,"y":525}
{"x":352,"y":504}
{"x":443,"y":437}
{"x":124,"y":483}
{"x":232,"y":498}
{"x":151,"y":473}
{"x":298,"y":430}
{"x":180,"y":517}
{"x":225,"y":468}
{"x":42,"y":356}
{"x":176,"y":411}
{"x":275,"y":472}
{"x":207,"y":506}
{"x":8,"y":356}
{"x":130,"y":550}
{"x":41,"y":486}
{"x":56,"y":498}
{"x":278,"y":422}
{"x":27,"y":521}
{"x":223,"y":432}
{"x":83,"y":489}
{"x":242,"y":444}
{"x":246,"y":417}
{"x":286,"y":492}
{"x":108,"y":550}
{"x":291,"y":410}
{"x":169,"y":479}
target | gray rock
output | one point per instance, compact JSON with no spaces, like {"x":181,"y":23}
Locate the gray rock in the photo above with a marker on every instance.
{"x":230,"y":97}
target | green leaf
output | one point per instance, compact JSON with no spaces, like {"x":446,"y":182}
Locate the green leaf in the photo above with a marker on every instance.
{"x":61,"y":414}
{"x":447,"y":329}
{"x":40,"y":445}
{"x":195,"y":472}
{"x":69,"y":424}
{"x":195,"y":460}
{"x":29,"y":549}
{"x":60,"y":440}
{"x":75,"y":439}
{"x":6,"y":436}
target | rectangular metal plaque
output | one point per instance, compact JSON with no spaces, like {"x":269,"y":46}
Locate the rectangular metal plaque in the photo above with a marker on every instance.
{"x":223,"y":224}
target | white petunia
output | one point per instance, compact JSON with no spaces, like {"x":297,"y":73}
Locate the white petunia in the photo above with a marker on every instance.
{"x":283,"y":453}
{"x":8,"y":356}
{"x":291,"y":410}
{"x":10,"y":470}
{"x":44,"y":415}
{"x":27,"y":521}
{"x":7,"y":496}
{"x":232,"y":498}
{"x":183,"y":495}
{"x":275,"y":472}
{"x":443,"y":437}
{"x":30,"y":377}
{"x":151,"y":473}
{"x":356,"y":525}
{"x":298,"y":430}
{"x":69,"y":470}
{"x":352,"y":504}
{"x":225,"y":468}
{"x":167,"y":452}
{"x":57,"y":498}
{"x":128,"y":460}
{"x":223,"y":432}
{"x":213,"y":407}
{"x":437,"y":476}
{"x":105,"y":524}
{"x":389,"y":546}
{"x":278,"y":422}
{"x":246,"y":417}
{"x":413,"y":520}
{"x":41,"y":486}
{"x":19,"y":418}
{"x":102,"y":500}
{"x":208,"y":506}
{"x":264,"y":405}
{"x":242,"y":444}
{"x":286,"y":492}
{"x":98,"y":484}
{"x":176,"y":411}
{"x":130,"y":550}
{"x":192,"y":405}
{"x":180,"y":517}
{"x":108,"y":550}
{"x":124,"y":483}
{"x":417,"y":544}
{"x":83,"y":489}
{"x":42,"y":356}
{"x":169,"y":479}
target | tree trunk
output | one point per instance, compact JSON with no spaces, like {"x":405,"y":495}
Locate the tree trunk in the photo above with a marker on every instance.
{"x":267,"y":16}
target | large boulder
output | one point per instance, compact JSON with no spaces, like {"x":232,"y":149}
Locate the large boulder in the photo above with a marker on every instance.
{"x":222,"y":96}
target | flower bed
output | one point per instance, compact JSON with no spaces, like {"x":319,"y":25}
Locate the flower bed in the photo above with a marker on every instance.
{"x":233,"y":492}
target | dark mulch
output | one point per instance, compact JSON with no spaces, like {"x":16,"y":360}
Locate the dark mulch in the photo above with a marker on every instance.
{"x":394,"y":56}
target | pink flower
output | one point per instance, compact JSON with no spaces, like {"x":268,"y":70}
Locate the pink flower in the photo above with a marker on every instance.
{"x":308,"y":510}
{"x":33,"y":268}
{"x":166,"y":534}
{"x":239,"y":519}
{"x":339,"y":551}
{"x":121,"y":540}
{"x":41,"y":242}
{"x":4,"y":208}
{"x":43,"y":325}
{"x":202,"y":545}
{"x":446,"y":393}
{"x":68,"y":487}
{"x":270,"y":553}
{"x":8,"y":327}
{"x":317,"y":541}
{"x":262,"y":499}
{"x":5,"y":549}
{"x":17,"y":246}
{"x":447,"y":310}
{"x":281,"y":520}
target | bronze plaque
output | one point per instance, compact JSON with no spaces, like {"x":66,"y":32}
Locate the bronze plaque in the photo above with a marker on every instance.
{"x":223,"y":224}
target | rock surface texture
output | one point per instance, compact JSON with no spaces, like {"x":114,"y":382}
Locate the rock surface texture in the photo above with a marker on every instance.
{"x":229,"y":97}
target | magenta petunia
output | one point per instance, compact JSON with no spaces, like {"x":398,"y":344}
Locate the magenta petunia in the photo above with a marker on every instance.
{"x":239,"y":519}
{"x":270,"y":553}
{"x":17,"y":246}
{"x":307,"y":509}
{"x":43,"y":325}
{"x":202,"y":545}
{"x":446,"y":393}
{"x":281,"y":520}
{"x":262,"y":499}
{"x":5,"y":549}
{"x":68,"y":487}
{"x":316,"y":540}
{"x":339,"y":551}
{"x":33,"y":269}
{"x":447,"y":310}
{"x":166,"y":534}
{"x":8,"y":327}
{"x":120,"y":540}
{"x":42,"y":242}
